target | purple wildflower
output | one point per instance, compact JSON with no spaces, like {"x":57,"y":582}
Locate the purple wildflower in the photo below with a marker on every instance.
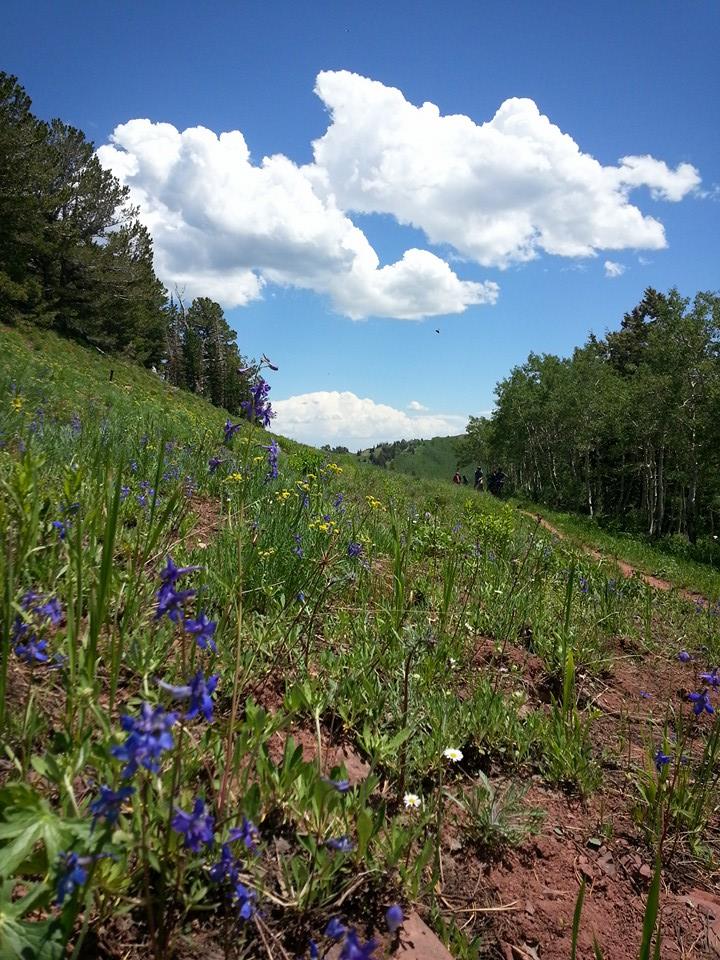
{"x":335,"y":929}
{"x":244,"y":900}
{"x":214,"y":463}
{"x":226,"y":868}
{"x":76,"y":423}
{"x":170,"y":601}
{"x":148,"y":738}
{"x":340,"y":844}
{"x":62,"y":528}
{"x":701,"y":702}
{"x":71,"y":875}
{"x":352,"y":949}
{"x":247,"y":832}
{"x":197,"y":828}
{"x":394,"y":917}
{"x":342,"y":786}
{"x":198,"y":691}
{"x":203,"y":630}
{"x":51,"y":609}
{"x":257,"y":408}
{"x":354,"y":549}
{"x":124,"y":492}
{"x":32,"y":651}
{"x":172,"y":573}
{"x":230,"y":430}
{"x":711,"y":679}
{"x":273,"y":451}
{"x":661,"y":759}
{"x":684,"y":656}
{"x":107,"y":806}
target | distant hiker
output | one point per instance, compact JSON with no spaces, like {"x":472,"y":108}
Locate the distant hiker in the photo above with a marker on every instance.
{"x":496,"y":481}
{"x":478,"y":484}
{"x":456,"y":477}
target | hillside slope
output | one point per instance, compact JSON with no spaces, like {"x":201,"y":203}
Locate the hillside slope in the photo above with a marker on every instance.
{"x":435,"y":459}
{"x":248,"y":700}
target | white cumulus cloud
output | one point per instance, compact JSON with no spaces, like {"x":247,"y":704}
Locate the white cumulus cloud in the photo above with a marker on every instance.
{"x":416,"y":405}
{"x":341,"y":418}
{"x":223,"y":227}
{"x":613,"y":269}
{"x":499,"y":192}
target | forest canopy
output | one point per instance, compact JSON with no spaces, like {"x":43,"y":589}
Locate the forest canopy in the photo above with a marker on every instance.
{"x":75,"y":258}
{"x":628,"y":427}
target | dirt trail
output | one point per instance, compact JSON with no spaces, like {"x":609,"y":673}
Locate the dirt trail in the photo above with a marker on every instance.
{"x":626,"y":569}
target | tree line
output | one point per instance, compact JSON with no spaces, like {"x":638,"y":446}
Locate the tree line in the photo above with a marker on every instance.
{"x":627,"y":428}
{"x":75,"y":258}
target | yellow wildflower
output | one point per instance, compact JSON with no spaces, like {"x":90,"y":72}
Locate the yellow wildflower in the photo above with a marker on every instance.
{"x":17,"y":403}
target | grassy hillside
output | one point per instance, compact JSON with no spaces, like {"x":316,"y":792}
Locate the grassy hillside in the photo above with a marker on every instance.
{"x":244,"y":711}
{"x":435,"y":459}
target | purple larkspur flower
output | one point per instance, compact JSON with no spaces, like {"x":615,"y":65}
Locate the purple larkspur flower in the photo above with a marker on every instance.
{"x":354,"y":550}
{"x":247,"y":832}
{"x":71,"y":875}
{"x":50,"y":610}
{"x":171,"y":573}
{"x":244,"y":900}
{"x":684,"y":656}
{"x":257,"y":409}
{"x":711,"y":679}
{"x":148,"y":738}
{"x":124,"y":492}
{"x":661,"y":759}
{"x":61,"y":528}
{"x":107,"y":806}
{"x":197,"y":827}
{"x":341,"y":786}
{"x":32,"y":651}
{"x":394,"y":917}
{"x":214,"y":463}
{"x":170,"y":601}
{"x":701,"y":702}
{"x":273,"y":451}
{"x":198,"y":691}
{"x":203,"y":630}
{"x":226,"y":868}
{"x":300,"y":597}
{"x":335,"y":928}
{"x":353,"y":949}
{"x":230,"y":429}
{"x":340,"y":844}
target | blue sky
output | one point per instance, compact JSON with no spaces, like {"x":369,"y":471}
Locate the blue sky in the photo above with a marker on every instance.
{"x":571,"y":237}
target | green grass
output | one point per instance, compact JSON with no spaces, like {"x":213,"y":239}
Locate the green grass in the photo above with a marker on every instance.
{"x":350,"y":606}
{"x":646,"y":556}
{"x":434,"y":459}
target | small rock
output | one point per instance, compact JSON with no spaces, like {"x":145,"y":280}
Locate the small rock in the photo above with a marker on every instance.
{"x":645,"y":871}
{"x":594,"y":843}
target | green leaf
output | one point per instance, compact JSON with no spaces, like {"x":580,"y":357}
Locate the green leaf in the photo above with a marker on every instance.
{"x":29,"y":820}
{"x":30,"y":941}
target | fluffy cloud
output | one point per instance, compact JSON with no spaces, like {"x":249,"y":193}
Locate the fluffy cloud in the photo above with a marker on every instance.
{"x":343,"y":418}
{"x":499,"y":192}
{"x":416,"y":405}
{"x":223,"y":227}
{"x":613,"y":269}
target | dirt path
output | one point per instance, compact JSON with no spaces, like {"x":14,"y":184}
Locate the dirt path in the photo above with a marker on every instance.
{"x":626,"y":569}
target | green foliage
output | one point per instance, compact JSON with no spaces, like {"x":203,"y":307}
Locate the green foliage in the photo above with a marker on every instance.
{"x":625,"y":429}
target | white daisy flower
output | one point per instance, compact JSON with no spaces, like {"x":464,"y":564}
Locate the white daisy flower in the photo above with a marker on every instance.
{"x":412,"y":801}
{"x":453,"y":754}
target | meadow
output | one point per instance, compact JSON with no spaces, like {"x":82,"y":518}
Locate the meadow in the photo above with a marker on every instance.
{"x":259,"y":702}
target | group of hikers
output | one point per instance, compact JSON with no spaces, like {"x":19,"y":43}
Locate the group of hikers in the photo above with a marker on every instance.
{"x":495,"y":481}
